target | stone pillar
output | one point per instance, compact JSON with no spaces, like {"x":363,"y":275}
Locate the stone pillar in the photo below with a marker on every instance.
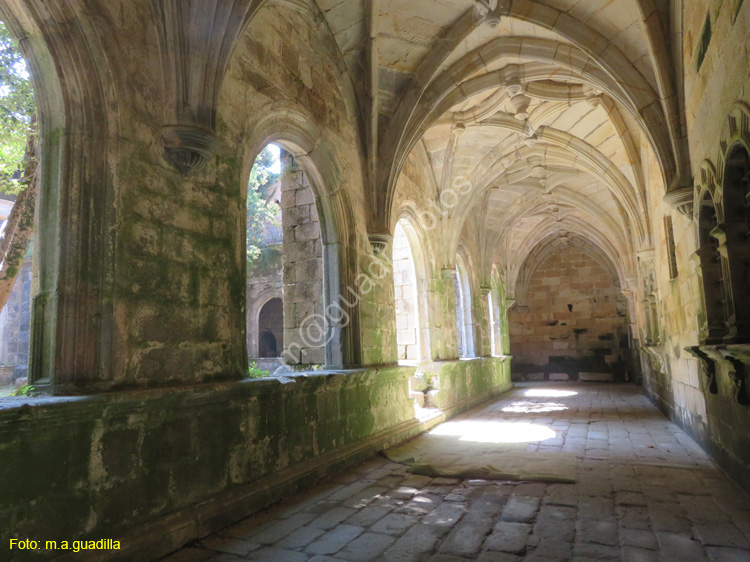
{"x":375,"y":290}
{"x":485,"y":332}
{"x":445,"y":289}
{"x":305,"y":332}
{"x":15,"y":325}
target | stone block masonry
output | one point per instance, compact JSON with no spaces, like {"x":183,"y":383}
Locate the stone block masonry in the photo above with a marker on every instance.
{"x":164,"y":467}
{"x":302,"y":262}
{"x":574,"y":321}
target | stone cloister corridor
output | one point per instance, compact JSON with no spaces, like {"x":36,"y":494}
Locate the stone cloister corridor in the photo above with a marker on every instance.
{"x":645,"y":492}
{"x":275,"y":238}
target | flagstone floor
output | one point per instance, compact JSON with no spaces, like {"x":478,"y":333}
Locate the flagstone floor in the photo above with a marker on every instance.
{"x":645,"y":492}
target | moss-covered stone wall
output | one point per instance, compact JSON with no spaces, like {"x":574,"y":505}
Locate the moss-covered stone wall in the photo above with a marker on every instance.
{"x":156,"y":468}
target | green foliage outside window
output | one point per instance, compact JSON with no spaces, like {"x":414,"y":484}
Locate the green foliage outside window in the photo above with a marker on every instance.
{"x":260,"y":212}
{"x":16,"y":111}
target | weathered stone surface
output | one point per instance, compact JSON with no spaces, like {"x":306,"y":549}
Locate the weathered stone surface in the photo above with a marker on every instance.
{"x":520,"y":509}
{"x":582,"y":165}
{"x":585,"y":521}
{"x":368,"y":546}
{"x":334,"y":540}
{"x":508,"y":537}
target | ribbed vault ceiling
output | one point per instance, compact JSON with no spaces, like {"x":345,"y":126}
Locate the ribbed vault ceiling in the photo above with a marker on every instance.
{"x":549,"y":108}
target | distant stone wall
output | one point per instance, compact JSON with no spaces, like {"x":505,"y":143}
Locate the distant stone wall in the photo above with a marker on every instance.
{"x":15,"y":320}
{"x":264,"y":283}
{"x":573,"y":322}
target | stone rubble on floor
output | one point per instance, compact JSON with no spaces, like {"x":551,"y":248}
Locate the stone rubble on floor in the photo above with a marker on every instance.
{"x":646,"y":492}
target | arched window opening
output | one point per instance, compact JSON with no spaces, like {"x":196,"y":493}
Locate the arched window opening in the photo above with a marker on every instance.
{"x":671,"y":248}
{"x":18,"y":200}
{"x":464,"y":323}
{"x":494,"y":328}
{"x":713,"y":327}
{"x":264,"y":239}
{"x":406,"y":303}
{"x":285,"y":259}
{"x":736,"y":230}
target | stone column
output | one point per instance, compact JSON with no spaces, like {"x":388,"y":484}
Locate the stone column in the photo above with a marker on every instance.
{"x":305,"y":327}
{"x":485,"y":331}
{"x":446,"y":292}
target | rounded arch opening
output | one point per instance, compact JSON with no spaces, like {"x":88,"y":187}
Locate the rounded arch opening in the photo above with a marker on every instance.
{"x":75,"y":94}
{"x":33,"y":316}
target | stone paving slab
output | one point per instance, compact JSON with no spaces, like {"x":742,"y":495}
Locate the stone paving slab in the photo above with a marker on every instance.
{"x":645,"y":492}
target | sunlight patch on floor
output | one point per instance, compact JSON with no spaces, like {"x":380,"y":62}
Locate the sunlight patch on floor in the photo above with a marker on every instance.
{"x":534,"y":407}
{"x":548,"y":393}
{"x":494,"y":432}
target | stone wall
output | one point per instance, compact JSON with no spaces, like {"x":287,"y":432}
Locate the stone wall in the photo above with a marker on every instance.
{"x":163,"y":467}
{"x":573,"y":321}
{"x":264,"y":282}
{"x":699,"y":393}
{"x":15,"y":320}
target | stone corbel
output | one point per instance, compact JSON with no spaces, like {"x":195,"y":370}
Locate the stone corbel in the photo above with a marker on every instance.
{"x":681,"y":200}
{"x":738,"y":375}
{"x":708,"y":366}
{"x":485,"y":290}
{"x":490,"y":12}
{"x":195,"y":44}
{"x":379,"y":242}
{"x":187,"y":149}
{"x":647,"y":256}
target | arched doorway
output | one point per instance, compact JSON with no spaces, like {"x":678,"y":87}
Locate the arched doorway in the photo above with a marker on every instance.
{"x":573,"y":321}
{"x":271,"y":329}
